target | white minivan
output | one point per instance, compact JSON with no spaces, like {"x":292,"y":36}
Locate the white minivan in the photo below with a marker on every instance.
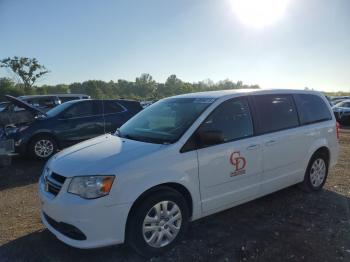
{"x":183,"y":158}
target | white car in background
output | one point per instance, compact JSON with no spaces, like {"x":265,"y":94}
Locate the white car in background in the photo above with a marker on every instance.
{"x":184,"y":158}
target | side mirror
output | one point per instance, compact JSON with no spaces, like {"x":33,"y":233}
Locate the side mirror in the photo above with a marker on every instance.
{"x":210,"y":137}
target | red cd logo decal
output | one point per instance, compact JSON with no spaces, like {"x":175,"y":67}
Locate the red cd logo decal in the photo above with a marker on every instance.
{"x":238,"y":162}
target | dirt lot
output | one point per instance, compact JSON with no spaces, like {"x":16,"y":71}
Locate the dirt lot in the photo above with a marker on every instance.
{"x":285,"y":226}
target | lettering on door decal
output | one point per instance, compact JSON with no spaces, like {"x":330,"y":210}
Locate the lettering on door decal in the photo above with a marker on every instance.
{"x":238,"y":162}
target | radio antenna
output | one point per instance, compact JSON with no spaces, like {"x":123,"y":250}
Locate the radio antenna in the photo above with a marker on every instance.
{"x":103,"y":115}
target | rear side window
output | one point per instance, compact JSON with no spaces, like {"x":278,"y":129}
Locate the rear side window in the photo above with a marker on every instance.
{"x":232,"y":118}
{"x":274,"y":113}
{"x":131,"y":105}
{"x":111,"y":107}
{"x":81,"y":109}
{"x":311,"y":108}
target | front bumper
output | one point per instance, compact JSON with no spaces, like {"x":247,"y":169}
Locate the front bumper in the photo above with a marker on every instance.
{"x":101,"y":223}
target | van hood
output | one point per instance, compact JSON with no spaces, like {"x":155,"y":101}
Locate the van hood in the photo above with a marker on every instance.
{"x":99,"y":155}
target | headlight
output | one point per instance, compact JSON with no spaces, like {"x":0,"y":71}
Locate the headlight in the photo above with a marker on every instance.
{"x":13,"y":130}
{"x":91,"y":186}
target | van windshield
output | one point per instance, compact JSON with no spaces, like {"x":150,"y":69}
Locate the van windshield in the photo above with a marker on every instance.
{"x":165,"y":121}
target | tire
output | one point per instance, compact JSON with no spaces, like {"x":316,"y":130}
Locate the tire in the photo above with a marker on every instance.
{"x":316,"y":173}
{"x":47,"y":144}
{"x":138,"y":230}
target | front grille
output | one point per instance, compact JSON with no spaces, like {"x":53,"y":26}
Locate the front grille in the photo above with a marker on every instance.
{"x":54,"y":183}
{"x":66,"y":229}
{"x":58,"y":177}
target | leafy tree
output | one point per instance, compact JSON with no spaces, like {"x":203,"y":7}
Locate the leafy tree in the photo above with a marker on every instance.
{"x":145,"y":86}
{"x":27,"y":69}
{"x":172,"y":86}
{"x":76,"y":88}
{"x":8,"y":87}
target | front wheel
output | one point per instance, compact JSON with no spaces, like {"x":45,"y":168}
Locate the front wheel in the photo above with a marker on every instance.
{"x":42,"y":147}
{"x":158,"y":222}
{"x":316,"y":173}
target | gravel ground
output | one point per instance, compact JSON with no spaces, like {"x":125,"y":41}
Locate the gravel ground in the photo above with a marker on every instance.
{"x":289,"y":225}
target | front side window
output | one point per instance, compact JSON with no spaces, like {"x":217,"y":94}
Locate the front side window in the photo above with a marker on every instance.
{"x":311,"y":108}
{"x":164,"y":121}
{"x":231,"y":120}
{"x":274,"y":113}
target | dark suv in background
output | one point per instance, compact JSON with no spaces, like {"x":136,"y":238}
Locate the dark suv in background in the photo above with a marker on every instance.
{"x":47,"y":102}
{"x":342,"y":112}
{"x":43,"y":102}
{"x":42,"y":134}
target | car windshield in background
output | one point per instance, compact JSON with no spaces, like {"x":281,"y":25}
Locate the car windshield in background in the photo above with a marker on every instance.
{"x":165,"y":121}
{"x":343,"y":104}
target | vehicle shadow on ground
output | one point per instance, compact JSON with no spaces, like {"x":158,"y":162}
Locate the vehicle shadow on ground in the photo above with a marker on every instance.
{"x":21,"y":172}
{"x":285,"y":226}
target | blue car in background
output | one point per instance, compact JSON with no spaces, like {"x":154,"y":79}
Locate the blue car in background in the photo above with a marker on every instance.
{"x":40,"y":134}
{"x":342,"y":112}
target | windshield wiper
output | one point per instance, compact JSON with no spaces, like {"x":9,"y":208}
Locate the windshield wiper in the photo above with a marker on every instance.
{"x":146,"y":139}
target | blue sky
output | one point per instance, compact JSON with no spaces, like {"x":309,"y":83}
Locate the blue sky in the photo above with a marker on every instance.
{"x":194,"y":39}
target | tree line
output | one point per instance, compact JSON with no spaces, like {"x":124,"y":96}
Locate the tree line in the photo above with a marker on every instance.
{"x":29,"y":70}
{"x":144,"y":87}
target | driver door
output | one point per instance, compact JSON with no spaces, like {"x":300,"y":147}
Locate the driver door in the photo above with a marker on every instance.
{"x":230,"y":170}
{"x":83,"y":120}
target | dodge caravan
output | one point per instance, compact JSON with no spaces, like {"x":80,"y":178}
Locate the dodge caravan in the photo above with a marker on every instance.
{"x":183,"y":158}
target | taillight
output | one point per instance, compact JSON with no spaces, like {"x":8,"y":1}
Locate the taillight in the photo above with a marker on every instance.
{"x":337,"y":127}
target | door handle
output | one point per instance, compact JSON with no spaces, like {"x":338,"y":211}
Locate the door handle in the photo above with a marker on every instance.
{"x":253,"y":147}
{"x":270,"y":143}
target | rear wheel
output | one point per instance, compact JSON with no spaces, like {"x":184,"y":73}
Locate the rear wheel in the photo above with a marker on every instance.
{"x":158,"y":223}
{"x":316,"y":173}
{"x":42,"y":147}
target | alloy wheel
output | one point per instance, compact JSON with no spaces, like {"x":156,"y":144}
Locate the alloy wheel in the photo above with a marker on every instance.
{"x":318,"y":172}
{"x":43,"y":148}
{"x":162,"y":224}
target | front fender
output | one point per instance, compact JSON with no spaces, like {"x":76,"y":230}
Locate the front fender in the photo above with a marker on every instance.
{"x":184,"y":171}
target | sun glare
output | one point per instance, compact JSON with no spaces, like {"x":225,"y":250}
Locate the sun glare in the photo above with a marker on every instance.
{"x":259,"y":13}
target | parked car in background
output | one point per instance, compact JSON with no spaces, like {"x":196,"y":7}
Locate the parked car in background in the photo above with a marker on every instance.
{"x":342,"y":112}
{"x":43,"y":133}
{"x":147,"y":103}
{"x":69,"y":97}
{"x":14,"y":115}
{"x":43,"y":102}
{"x":184,"y":158}
{"x":3,"y":105}
{"x":337,"y":99}
{"x":47,"y":102}
{"x":18,"y":112}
